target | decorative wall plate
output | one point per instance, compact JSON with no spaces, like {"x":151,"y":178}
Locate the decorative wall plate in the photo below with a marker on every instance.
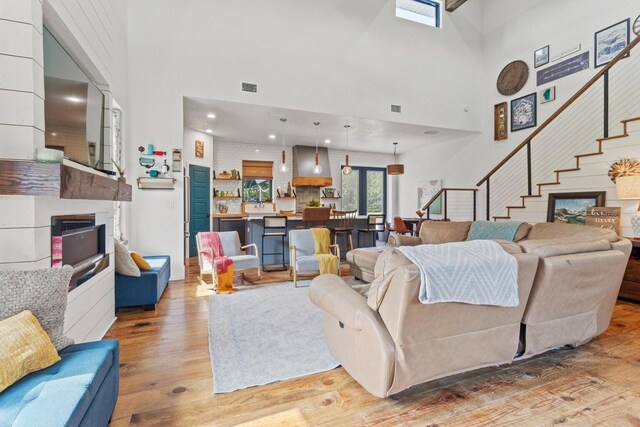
{"x":624,"y":167}
{"x":512,"y":78}
{"x":636,"y":26}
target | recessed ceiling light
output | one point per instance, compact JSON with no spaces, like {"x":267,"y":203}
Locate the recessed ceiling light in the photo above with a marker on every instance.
{"x":211,"y":116}
{"x":74,"y":99}
{"x":54,"y":134}
{"x":209,"y":131}
{"x":257,"y":151}
{"x":272,"y":136}
{"x":327,"y":141}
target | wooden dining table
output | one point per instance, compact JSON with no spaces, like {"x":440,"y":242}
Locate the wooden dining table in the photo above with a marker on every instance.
{"x":412,"y":224}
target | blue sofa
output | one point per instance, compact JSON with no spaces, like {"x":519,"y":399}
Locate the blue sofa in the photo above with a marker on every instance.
{"x":79,"y":390}
{"x":147,"y":289}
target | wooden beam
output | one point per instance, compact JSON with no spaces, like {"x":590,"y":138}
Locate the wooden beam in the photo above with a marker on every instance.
{"x":29,"y":178}
{"x":454,"y":4}
{"x":311,"y":181}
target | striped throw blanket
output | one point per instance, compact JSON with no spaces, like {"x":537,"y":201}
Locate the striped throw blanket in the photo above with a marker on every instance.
{"x":474,"y":272}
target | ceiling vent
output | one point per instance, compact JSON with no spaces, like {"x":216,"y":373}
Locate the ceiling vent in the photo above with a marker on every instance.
{"x":396,"y":108}
{"x":431,"y":132}
{"x":249,"y":87}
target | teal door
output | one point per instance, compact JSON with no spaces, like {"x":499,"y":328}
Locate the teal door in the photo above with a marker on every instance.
{"x":199,"y":204}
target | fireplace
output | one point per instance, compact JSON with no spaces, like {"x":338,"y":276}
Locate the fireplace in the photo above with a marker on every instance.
{"x":77,"y":241}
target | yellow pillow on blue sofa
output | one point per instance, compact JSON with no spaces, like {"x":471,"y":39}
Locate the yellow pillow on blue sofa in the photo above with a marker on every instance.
{"x":140,"y":261}
{"x":25,"y":348}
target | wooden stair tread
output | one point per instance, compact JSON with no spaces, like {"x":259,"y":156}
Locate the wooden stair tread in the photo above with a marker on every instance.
{"x":547,"y":183}
{"x":533,"y":195}
{"x":567,"y":170}
{"x":588,"y":154}
{"x":633,"y":119}
{"x":624,"y":135}
{"x":516,"y":207}
{"x":501,"y":217}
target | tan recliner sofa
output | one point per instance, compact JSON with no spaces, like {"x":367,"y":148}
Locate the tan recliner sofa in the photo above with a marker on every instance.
{"x":568,"y":280}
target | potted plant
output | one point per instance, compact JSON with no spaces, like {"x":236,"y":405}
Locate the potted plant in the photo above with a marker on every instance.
{"x":121,"y":178}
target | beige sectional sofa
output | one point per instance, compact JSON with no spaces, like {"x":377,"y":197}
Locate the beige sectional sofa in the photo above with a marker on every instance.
{"x":568,"y":281}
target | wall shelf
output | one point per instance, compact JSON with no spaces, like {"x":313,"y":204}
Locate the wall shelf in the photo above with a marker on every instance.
{"x":226,"y":198}
{"x":333,"y":198}
{"x":285,"y":198}
{"x":30,"y":178}
{"x":145,"y":183}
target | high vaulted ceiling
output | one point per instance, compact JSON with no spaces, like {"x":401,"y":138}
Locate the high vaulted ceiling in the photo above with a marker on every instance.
{"x":253,"y":124}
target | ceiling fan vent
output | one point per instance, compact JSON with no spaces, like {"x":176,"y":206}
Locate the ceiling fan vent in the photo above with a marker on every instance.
{"x":396,"y":108}
{"x":249,"y":87}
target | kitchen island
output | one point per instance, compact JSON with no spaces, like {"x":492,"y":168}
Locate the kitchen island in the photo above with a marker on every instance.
{"x":250,"y":227}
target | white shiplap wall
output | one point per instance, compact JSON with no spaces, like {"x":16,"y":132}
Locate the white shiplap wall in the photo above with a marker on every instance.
{"x":87,"y":30}
{"x":592,"y":176}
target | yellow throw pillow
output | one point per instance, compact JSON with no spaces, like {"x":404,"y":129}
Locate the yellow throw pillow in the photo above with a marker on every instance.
{"x":25,"y":348}
{"x":140,"y":262}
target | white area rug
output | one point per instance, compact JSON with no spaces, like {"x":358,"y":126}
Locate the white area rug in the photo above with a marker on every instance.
{"x":264,"y":334}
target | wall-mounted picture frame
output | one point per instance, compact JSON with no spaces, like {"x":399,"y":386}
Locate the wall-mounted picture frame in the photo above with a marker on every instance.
{"x":608,"y":218}
{"x":547,"y":95}
{"x":608,"y":42}
{"x":524,"y":112}
{"x":636,"y":26}
{"x":541,"y":57}
{"x":571,"y":208}
{"x":426,"y":190}
{"x":500,"y":122}
{"x":199,"y":149}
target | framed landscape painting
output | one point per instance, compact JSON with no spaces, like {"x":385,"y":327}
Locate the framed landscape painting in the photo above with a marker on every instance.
{"x":541,"y":57}
{"x":571,"y":208}
{"x":523,"y":112}
{"x":610,"y":41}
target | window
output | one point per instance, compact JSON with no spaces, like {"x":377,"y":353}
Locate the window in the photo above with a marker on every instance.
{"x":427,"y":12}
{"x":257,"y":182}
{"x":365,"y":190}
{"x":257,"y":190}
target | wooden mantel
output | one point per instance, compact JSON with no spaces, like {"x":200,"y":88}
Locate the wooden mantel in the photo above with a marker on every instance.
{"x":29,"y":178}
{"x":452,"y":5}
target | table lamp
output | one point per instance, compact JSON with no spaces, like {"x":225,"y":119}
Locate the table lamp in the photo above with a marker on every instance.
{"x":628,"y":188}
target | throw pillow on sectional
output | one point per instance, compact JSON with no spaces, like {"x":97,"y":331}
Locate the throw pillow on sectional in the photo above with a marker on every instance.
{"x":26,"y":348}
{"x":44,"y":293}
{"x":124,"y":263}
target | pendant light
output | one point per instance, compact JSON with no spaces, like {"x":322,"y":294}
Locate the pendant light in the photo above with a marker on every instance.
{"x":283,"y":165}
{"x":346,"y":170}
{"x":396,"y":168}
{"x":317,"y":169}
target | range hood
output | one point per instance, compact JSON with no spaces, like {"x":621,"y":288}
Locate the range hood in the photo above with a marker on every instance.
{"x":304,"y":160}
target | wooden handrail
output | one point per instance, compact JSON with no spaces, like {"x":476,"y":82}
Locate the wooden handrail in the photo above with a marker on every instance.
{"x":564,"y":106}
{"x":442,"y":190}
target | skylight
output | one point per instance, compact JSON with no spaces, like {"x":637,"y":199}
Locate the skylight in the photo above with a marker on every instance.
{"x":425,"y":12}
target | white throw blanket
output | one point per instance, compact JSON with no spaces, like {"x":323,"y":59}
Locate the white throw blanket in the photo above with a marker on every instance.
{"x":474,"y":272}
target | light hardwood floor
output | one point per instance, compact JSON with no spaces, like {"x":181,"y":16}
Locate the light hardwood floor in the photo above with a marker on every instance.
{"x":166,"y":379}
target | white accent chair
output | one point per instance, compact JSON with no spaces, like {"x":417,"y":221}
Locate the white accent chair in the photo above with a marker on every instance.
{"x":302,"y":257}
{"x":230,"y":242}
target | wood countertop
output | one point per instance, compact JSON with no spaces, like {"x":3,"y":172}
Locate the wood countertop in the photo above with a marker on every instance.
{"x":229,"y":215}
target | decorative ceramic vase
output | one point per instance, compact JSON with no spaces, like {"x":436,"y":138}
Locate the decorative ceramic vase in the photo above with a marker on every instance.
{"x":635,"y":224}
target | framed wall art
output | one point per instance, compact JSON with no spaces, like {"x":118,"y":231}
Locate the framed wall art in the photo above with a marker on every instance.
{"x":636,"y":26}
{"x":426,"y":190}
{"x":512,"y":78}
{"x":500,"y":122}
{"x":541,"y":57}
{"x":524,"y":112}
{"x":562,"y":69}
{"x":604,"y":217}
{"x":610,"y":41}
{"x":571,"y":208}
{"x":199,"y":149}
{"x":547,"y":95}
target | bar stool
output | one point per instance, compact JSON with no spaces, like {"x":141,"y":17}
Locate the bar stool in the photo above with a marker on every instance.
{"x":343,"y":223}
{"x":317,"y":216}
{"x":375,"y":224}
{"x":274,"y":226}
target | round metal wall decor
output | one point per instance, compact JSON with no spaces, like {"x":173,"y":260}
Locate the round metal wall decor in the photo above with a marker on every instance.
{"x":512,"y":78}
{"x":636,"y":26}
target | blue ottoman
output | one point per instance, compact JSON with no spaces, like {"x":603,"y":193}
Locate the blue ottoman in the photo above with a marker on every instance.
{"x":79,"y":390}
{"x":147,"y":289}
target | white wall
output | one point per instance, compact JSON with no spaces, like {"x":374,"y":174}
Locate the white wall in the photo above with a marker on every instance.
{"x":349,"y":57}
{"x":513,"y":29}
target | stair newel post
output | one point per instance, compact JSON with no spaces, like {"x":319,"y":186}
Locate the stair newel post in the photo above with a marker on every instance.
{"x":445,"y":204}
{"x":529,"y":184}
{"x":606,"y":104}
{"x":488,"y":199}
{"x":429,"y":212}
{"x":474,"y":205}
